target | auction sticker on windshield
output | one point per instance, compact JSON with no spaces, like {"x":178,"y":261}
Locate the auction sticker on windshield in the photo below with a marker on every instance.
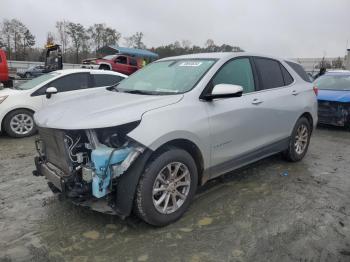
{"x":190,"y":63}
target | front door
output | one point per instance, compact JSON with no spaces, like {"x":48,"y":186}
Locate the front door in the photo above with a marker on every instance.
{"x":236,"y":124}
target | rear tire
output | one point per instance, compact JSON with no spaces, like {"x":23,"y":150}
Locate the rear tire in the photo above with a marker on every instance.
{"x":19,"y":123}
{"x":166,"y":187}
{"x":299,"y":141}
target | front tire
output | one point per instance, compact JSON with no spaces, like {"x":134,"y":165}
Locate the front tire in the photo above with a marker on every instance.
{"x":27,"y":75}
{"x":19,"y":123}
{"x":299,"y":141}
{"x":166,"y":187}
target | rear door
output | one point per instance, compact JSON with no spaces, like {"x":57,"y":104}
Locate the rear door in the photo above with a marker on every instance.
{"x":132,"y":61}
{"x":277,"y":99}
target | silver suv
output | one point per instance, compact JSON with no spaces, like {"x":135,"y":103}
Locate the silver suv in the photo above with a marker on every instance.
{"x":146,"y":144}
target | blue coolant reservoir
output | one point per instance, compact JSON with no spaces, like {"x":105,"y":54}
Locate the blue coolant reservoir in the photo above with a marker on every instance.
{"x":100,"y":157}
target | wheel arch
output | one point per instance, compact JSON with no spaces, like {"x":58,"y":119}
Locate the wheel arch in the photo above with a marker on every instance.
{"x":105,"y":64}
{"x":309,"y":117}
{"x":189,"y":147}
{"x":9,"y":112}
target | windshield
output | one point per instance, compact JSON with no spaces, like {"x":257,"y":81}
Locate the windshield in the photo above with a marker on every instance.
{"x":109,"y":57}
{"x":36,"y":81}
{"x":167,"y":77}
{"x":334,"y":82}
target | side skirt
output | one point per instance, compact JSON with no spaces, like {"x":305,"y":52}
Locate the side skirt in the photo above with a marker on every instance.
{"x":245,"y":159}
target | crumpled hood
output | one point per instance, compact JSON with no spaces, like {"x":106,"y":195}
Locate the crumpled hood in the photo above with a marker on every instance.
{"x":334,"y":95}
{"x":101,"y":109}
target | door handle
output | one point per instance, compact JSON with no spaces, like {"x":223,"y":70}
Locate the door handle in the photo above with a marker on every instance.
{"x":256,"y":101}
{"x":295,"y":93}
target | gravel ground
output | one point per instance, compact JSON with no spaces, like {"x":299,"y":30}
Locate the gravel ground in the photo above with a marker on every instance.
{"x":269,"y":211}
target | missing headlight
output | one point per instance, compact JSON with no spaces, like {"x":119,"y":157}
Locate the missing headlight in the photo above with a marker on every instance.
{"x":115,"y":137}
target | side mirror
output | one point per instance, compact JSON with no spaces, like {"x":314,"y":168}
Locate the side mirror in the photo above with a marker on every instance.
{"x":50,"y":91}
{"x":224,"y":91}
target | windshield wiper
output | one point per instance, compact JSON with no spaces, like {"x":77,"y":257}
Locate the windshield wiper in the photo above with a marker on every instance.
{"x":139,"y":92}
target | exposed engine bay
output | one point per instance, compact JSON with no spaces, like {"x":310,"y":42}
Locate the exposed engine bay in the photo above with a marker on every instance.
{"x":86,"y":164}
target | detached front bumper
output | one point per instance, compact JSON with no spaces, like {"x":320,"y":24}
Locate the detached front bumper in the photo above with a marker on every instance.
{"x":333,"y":113}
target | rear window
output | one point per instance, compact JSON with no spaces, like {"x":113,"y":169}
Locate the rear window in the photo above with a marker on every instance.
{"x":299,"y":70}
{"x":106,"y":80}
{"x":334,"y":82}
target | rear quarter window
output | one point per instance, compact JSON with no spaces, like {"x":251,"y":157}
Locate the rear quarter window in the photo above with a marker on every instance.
{"x":299,"y":70}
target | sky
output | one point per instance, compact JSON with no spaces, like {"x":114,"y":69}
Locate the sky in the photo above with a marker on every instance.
{"x":284,"y":28}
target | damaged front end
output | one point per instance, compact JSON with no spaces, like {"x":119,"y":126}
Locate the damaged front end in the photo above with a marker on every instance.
{"x":87,"y":165}
{"x":333,"y":113}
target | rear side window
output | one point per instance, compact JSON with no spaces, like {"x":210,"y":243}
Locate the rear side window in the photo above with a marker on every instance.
{"x":270,"y":73}
{"x":133,"y":62}
{"x":236,"y":72}
{"x":71,"y":82}
{"x":106,"y":80}
{"x":299,"y":70}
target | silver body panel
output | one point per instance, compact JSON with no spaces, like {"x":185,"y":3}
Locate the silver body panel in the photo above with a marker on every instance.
{"x":222,"y":129}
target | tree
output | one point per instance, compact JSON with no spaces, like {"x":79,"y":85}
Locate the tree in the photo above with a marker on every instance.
{"x":135,"y":41}
{"x":186,"y":44}
{"x":28,"y":41}
{"x":62,"y":33}
{"x":16,"y":37}
{"x":110,"y":36}
{"x":101,"y":35}
{"x":79,"y":37}
{"x":6,"y":32}
{"x":337,"y":63}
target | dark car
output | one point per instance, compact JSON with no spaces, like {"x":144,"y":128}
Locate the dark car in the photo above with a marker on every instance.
{"x":32,"y":71}
{"x":334,"y":98}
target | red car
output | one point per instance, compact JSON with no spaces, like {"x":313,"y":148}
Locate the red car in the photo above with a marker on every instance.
{"x":4,"y":70}
{"x":120,"y":63}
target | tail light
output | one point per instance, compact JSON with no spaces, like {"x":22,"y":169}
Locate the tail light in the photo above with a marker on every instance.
{"x":315,"y":88}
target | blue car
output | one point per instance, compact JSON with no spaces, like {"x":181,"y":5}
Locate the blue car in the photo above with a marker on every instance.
{"x":334,"y":98}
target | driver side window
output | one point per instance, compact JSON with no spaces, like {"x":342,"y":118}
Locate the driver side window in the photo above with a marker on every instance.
{"x":67,"y":83}
{"x":236,"y":72}
{"x":121,"y":60}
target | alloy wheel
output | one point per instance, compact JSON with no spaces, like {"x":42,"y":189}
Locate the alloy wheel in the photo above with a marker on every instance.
{"x":301,"y":139}
{"x":22,"y":124}
{"x":171,"y":187}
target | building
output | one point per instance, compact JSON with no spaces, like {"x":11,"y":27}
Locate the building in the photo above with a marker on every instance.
{"x":312,"y":64}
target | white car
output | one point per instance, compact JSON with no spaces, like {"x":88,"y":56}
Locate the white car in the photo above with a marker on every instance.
{"x":18,"y":105}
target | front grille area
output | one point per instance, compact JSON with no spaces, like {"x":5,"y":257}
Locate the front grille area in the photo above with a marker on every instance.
{"x":55,"y":148}
{"x":334,"y":113}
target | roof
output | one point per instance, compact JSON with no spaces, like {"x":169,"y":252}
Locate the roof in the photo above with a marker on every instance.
{"x":134,"y":51}
{"x":217,"y":55}
{"x":83,"y":70}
